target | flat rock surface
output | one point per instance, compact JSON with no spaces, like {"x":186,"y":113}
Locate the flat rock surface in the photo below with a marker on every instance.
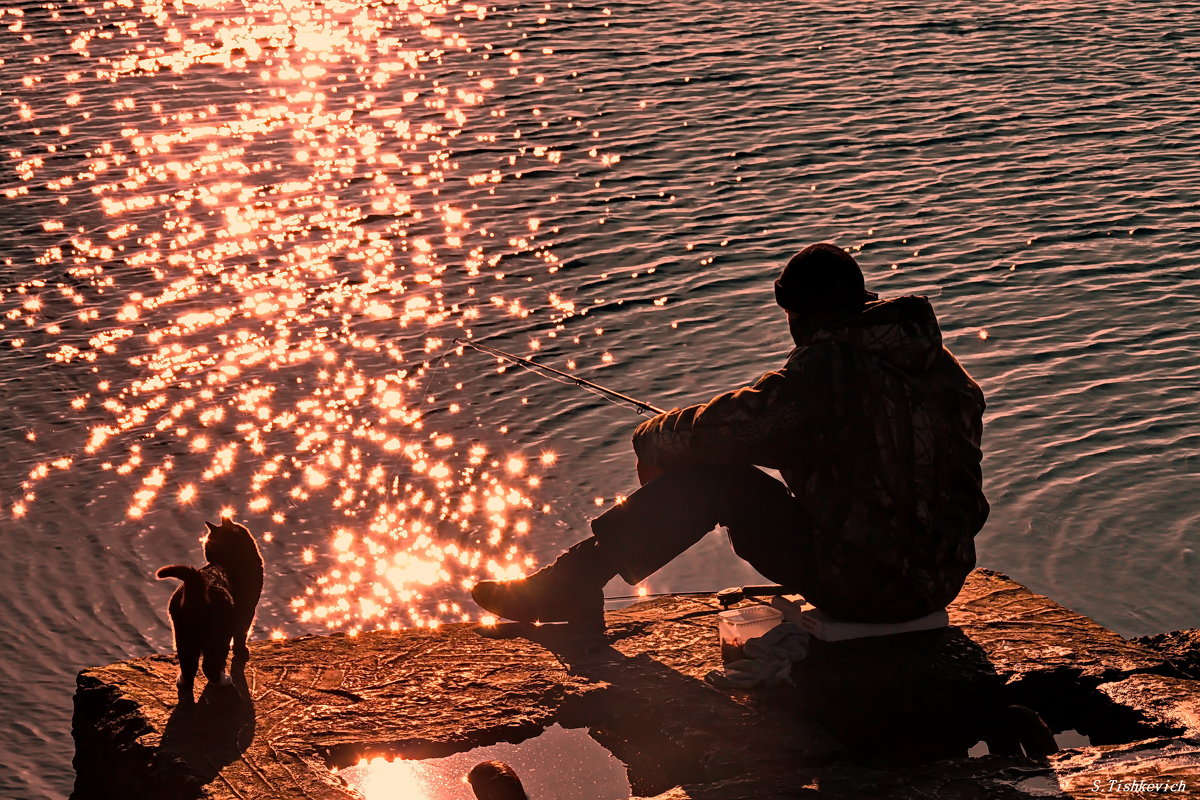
{"x":1154,"y":768}
{"x":306,"y":702}
{"x":1181,"y":648}
{"x":315,"y":702}
{"x":1026,"y":634}
{"x":309,"y":704}
{"x":1169,"y":703}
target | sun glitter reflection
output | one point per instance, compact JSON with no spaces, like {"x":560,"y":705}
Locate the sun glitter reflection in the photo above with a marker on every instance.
{"x":252,"y":279}
{"x":380,"y":779}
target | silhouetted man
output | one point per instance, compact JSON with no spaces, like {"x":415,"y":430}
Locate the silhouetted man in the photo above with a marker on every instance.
{"x":874,"y":426}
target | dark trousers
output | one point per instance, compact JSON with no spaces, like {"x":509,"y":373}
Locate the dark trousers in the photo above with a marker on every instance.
{"x":767,"y":526}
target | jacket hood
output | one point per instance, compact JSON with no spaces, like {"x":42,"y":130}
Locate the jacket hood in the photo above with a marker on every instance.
{"x":902,"y":331}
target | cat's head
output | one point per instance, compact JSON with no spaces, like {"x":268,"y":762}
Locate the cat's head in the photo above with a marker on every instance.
{"x":228,"y":542}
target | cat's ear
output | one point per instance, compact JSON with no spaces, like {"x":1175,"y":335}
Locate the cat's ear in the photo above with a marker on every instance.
{"x":211,"y":527}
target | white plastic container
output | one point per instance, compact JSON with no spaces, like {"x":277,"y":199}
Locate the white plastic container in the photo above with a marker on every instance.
{"x":739,"y":625}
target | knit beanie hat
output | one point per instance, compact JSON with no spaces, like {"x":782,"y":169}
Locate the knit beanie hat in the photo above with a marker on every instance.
{"x":820,"y":278}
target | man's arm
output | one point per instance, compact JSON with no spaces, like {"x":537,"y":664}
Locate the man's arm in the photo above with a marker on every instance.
{"x":752,"y":425}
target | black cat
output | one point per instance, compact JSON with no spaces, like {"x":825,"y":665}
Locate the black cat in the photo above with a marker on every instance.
{"x":214,"y":607}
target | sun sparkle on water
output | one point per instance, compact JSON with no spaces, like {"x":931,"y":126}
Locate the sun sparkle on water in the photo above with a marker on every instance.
{"x":289,"y":252}
{"x":381,"y":779}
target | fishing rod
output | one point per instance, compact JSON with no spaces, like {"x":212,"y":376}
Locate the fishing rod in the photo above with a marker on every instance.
{"x":726,"y":597}
{"x":533,"y":365}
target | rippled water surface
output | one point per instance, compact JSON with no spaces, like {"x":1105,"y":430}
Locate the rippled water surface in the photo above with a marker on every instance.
{"x":239,"y":238}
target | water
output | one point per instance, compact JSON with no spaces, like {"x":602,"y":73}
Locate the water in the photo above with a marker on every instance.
{"x":1066,"y":740}
{"x":559,"y":762}
{"x":239,"y":237}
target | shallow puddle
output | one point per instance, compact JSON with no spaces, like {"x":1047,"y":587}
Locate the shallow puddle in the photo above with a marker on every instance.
{"x":1066,"y":740}
{"x":1071,"y":739}
{"x":559,"y":763}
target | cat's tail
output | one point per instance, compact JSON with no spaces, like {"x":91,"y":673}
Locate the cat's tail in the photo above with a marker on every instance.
{"x":193,"y":581}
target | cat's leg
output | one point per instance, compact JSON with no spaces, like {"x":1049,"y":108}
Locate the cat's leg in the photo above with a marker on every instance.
{"x":189,"y":662}
{"x":216,"y":651}
{"x":240,"y":633}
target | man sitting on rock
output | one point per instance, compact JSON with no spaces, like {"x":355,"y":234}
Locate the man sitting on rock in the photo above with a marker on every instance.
{"x":874,"y":426}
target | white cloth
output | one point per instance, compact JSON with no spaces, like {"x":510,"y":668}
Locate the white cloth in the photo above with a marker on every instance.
{"x":768,"y":660}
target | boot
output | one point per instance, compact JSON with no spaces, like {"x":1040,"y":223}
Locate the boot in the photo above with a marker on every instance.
{"x":569,"y":590}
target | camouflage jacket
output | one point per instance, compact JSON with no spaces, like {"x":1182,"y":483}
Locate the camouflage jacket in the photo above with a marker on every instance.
{"x":876,"y":429}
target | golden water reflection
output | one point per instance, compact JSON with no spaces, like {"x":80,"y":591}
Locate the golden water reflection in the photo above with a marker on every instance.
{"x":265,"y":268}
{"x":380,"y":779}
{"x":564,"y":763}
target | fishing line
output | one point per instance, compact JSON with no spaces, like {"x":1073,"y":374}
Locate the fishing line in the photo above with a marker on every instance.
{"x":558,"y":376}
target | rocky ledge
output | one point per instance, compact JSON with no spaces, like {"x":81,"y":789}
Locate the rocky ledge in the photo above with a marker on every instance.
{"x":891,"y":717}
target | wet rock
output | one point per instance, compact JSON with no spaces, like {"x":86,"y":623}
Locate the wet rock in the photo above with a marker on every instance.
{"x":1049,"y":657}
{"x":311,"y":703}
{"x":305,"y":705}
{"x":1154,"y":768}
{"x":1180,"y":648}
{"x":1171,"y":705}
{"x":495,"y":780}
{"x":1028,"y":636}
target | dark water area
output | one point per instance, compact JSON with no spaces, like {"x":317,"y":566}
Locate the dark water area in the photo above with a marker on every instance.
{"x":237,"y":238}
